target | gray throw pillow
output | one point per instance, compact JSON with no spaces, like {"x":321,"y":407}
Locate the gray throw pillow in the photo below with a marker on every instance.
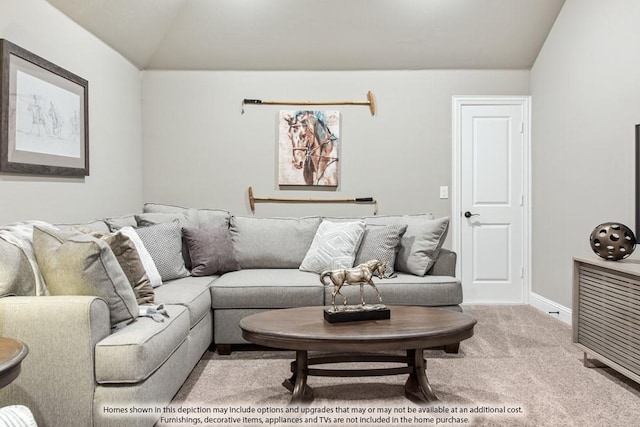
{"x":145,"y":257}
{"x":164,"y":243}
{"x":381,"y":242}
{"x":334,"y":246}
{"x":420,"y":245}
{"x":211,"y":250}
{"x":81,"y":264}
{"x":129,"y":259}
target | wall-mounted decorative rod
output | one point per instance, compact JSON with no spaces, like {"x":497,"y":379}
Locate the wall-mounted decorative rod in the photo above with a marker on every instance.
{"x":371,"y":102}
{"x":359,"y":200}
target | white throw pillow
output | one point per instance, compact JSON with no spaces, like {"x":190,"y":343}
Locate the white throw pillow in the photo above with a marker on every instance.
{"x":145,"y":256}
{"x":334,"y":246}
{"x":18,"y":416}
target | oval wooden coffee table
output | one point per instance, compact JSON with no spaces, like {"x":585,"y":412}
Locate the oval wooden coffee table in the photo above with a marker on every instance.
{"x":412,"y":329}
{"x":12,"y":352}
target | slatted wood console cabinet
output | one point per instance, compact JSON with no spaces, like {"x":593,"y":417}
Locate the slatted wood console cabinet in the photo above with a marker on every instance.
{"x":606,"y":312}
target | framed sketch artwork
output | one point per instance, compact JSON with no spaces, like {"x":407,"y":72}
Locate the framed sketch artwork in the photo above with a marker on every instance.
{"x":43,"y":116}
{"x":308,"y":148}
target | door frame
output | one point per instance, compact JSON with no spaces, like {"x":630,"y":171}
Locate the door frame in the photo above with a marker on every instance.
{"x":458,"y":102}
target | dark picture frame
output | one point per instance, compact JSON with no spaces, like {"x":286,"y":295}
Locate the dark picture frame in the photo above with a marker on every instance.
{"x":44,"y":116}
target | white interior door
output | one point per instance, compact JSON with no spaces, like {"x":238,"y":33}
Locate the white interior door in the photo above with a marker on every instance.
{"x":492,"y":195}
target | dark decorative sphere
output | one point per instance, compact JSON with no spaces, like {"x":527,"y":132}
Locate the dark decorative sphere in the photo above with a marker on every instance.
{"x":612,"y":241}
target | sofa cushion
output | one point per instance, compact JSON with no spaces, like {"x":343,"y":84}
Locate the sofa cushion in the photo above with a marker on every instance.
{"x":405,"y":289}
{"x":154,"y":213}
{"x":132,"y":354}
{"x":81,"y":264}
{"x":334,"y":246}
{"x":211,"y":250}
{"x":266,"y":288}
{"x":164,"y":243}
{"x":86,"y":227}
{"x":190,"y":292}
{"x":381,"y":219}
{"x":16,"y":275}
{"x":381,"y":242}
{"x":205,"y":218}
{"x":272,"y":242}
{"x":19,"y":235}
{"x":211,"y":218}
{"x":116,"y":223}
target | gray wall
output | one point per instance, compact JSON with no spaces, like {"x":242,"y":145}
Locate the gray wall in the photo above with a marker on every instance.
{"x":115,"y":184}
{"x":585,"y":87}
{"x":200,"y":151}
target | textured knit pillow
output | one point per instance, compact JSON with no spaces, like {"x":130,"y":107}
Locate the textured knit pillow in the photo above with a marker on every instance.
{"x":211,"y":250}
{"x":186,"y":218}
{"x":381,"y":242}
{"x":164,"y":243}
{"x":81,"y":264}
{"x":334,"y":246}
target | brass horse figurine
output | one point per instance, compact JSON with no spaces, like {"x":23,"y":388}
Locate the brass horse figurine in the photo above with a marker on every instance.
{"x":359,"y":275}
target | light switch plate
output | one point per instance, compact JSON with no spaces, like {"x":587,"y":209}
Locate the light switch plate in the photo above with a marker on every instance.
{"x":444,"y":192}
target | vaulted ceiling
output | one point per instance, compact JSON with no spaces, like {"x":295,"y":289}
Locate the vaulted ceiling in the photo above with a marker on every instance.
{"x":319,"y":34}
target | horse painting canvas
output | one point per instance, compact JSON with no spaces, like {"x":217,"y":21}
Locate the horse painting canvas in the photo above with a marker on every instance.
{"x":309,"y":143}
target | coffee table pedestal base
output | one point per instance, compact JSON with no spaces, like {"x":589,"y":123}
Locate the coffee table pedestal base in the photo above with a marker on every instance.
{"x":417,"y":387}
{"x":297,"y":384}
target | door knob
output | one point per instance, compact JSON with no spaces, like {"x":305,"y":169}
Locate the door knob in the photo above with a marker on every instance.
{"x":468,"y":214}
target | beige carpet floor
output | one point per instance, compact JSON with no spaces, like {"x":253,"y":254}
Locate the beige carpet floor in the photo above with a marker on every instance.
{"x":519,"y":357}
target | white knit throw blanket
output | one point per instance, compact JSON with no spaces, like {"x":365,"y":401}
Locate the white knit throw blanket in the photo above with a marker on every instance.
{"x":20,"y":234}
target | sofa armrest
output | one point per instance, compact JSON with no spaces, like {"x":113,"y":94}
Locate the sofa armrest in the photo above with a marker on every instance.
{"x":57,"y":379}
{"x":445,"y":264}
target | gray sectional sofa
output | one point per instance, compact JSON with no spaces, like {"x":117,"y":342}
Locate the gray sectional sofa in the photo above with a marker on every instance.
{"x":81,"y":371}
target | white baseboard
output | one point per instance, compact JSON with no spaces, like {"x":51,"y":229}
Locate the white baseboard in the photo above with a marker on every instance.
{"x":553,"y":308}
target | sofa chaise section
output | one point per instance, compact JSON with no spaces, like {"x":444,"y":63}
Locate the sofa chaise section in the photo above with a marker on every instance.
{"x":82,"y":372}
